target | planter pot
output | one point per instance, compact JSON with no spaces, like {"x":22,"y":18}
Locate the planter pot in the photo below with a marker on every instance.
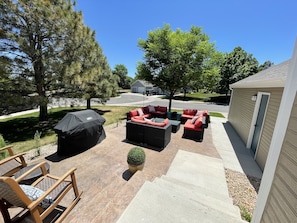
{"x":134,"y":168}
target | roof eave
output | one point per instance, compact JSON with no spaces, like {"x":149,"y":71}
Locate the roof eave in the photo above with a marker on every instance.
{"x":260,"y":84}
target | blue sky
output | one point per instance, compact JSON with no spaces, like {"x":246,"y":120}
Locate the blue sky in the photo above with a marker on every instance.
{"x":266,"y":29}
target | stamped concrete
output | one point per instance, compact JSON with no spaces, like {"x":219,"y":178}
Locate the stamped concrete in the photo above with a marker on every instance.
{"x":102,"y":171}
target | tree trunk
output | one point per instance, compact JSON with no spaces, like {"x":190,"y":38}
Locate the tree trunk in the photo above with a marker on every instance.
{"x":36,"y":41}
{"x":185,"y":92}
{"x":43,"y":112}
{"x":170,"y":101}
{"x":89,"y":103}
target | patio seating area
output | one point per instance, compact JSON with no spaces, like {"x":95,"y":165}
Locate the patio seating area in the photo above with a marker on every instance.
{"x":101,"y":172}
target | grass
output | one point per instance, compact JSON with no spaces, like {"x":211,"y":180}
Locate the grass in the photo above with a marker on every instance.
{"x":205,"y":97}
{"x":198,"y":96}
{"x":216,"y":114}
{"x":245,"y":214}
{"x":19,"y":131}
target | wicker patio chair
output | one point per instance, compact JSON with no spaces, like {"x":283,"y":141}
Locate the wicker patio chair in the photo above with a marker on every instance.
{"x":12,"y":164}
{"x":44,"y":206}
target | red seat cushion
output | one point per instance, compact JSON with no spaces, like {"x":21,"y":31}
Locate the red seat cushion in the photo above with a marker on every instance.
{"x":133,"y":119}
{"x":195,"y":127}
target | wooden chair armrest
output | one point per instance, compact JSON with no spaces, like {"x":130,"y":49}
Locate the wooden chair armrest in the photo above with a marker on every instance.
{"x":8,"y":148}
{"x":54,"y":186}
{"x":20,"y":155}
{"x":39,"y":165}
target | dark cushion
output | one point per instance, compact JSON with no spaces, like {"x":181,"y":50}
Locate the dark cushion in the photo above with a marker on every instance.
{"x":161,"y":109}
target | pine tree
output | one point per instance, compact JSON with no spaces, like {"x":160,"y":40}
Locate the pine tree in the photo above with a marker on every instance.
{"x":45,"y":41}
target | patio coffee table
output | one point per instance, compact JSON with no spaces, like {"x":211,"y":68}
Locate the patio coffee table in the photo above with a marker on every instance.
{"x":174,"y":123}
{"x":33,"y":176}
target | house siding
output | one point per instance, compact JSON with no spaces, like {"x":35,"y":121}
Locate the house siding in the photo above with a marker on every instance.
{"x":269,"y":124}
{"x":241,"y":111}
{"x":241,"y":115}
{"x":282,"y":201}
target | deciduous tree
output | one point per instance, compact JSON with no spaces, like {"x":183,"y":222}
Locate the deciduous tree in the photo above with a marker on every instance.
{"x":124,"y":81}
{"x":173,"y":58}
{"x":237,"y":65}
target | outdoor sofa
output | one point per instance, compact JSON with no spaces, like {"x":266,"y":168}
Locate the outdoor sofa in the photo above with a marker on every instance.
{"x":191,"y":113}
{"x":148,"y":112}
{"x":194,"y":129}
{"x":150,"y":133}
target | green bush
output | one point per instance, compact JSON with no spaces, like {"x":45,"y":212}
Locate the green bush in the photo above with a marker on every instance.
{"x":2,"y":141}
{"x":2,"y":144}
{"x":136,"y":156}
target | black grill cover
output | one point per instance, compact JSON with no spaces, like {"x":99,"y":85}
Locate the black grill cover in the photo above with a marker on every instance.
{"x":79,"y":131}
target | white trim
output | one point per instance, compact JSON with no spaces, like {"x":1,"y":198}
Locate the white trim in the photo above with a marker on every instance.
{"x":254,"y":120}
{"x":230,"y":105}
{"x":260,"y":84}
{"x":277,"y":138}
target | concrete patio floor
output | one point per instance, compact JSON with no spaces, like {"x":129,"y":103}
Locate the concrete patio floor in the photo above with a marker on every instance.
{"x":102,"y":172}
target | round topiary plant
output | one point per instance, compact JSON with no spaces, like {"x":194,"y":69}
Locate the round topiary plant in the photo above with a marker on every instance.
{"x":136,"y":156}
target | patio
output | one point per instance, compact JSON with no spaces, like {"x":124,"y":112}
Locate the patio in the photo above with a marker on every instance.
{"x":101,"y":171}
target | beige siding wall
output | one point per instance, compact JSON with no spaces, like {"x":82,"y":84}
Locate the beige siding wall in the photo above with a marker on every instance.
{"x":268,"y":126}
{"x":241,"y":113}
{"x":282,"y":201}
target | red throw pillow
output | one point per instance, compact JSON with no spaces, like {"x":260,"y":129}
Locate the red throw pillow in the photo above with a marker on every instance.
{"x":186,"y":111}
{"x":198,"y":122}
{"x":190,"y":112}
{"x":133,"y":113}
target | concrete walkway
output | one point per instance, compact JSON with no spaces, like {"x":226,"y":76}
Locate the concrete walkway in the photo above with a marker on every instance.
{"x":232,"y":150}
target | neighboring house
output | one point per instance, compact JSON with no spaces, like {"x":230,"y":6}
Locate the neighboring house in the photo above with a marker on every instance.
{"x":254,"y":106}
{"x":275,"y":106}
{"x":144,"y":87}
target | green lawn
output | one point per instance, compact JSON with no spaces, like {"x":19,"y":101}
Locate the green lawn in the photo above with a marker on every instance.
{"x":19,"y":131}
{"x":205,"y":97}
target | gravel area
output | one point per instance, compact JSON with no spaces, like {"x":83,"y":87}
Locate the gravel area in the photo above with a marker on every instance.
{"x":243,"y":189}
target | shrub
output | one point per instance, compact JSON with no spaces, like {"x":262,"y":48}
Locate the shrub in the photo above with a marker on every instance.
{"x":2,"y":141}
{"x":136,"y":156}
{"x":2,"y":144}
